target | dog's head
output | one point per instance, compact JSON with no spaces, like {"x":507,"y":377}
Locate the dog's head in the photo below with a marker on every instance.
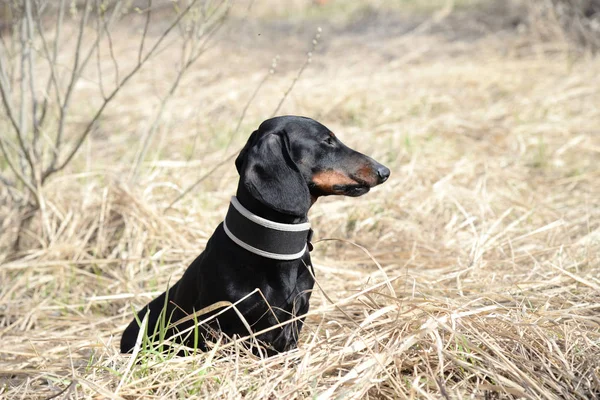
{"x":290,"y":161}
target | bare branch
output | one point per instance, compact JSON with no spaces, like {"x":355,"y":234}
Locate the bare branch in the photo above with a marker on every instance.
{"x":10,"y":52}
{"x":150,"y":135}
{"x":2,"y":41}
{"x":148,"y":15}
{"x":96,"y":43}
{"x":111,"y":51}
{"x":154,"y":127}
{"x":250,"y":100}
{"x":11,"y":188}
{"x":78,"y":66}
{"x":5,"y":81}
{"x":99,"y":36}
{"x":74,"y":76}
{"x":31,"y":66}
{"x":25,"y":53}
{"x":59,"y":23}
{"x":214,"y":28}
{"x":22,"y":75}
{"x":51,"y":60}
{"x":98,"y":66}
{"x":6,"y":101}
{"x":17,"y":173}
{"x":209,"y":173}
{"x":228,"y":158}
{"x":52,"y":168}
{"x":195,"y":53}
{"x":306,"y":63}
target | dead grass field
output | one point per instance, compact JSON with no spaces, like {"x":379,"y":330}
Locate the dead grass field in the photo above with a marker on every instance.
{"x":474,"y":272}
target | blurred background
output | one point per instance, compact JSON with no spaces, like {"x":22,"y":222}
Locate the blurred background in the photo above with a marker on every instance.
{"x":473,"y":271}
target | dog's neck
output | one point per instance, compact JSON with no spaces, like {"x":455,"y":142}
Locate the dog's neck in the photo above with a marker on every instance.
{"x":258,"y":208}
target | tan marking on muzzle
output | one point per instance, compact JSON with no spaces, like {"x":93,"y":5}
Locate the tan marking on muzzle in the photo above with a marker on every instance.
{"x":327,"y":179}
{"x":367,"y":174}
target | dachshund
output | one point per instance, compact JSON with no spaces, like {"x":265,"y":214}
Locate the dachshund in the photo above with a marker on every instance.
{"x":255,"y":275}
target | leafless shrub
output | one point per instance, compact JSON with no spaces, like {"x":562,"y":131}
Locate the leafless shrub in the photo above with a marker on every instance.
{"x":41,"y":139}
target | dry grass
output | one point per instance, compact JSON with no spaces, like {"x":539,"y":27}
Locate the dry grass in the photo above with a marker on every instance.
{"x":479,"y":271}
{"x":574,"y":20}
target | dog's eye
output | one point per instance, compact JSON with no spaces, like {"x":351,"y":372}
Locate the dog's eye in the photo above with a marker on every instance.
{"x":329,"y":141}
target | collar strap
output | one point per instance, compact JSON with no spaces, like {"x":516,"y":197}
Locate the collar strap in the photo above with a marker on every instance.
{"x":264,"y":237}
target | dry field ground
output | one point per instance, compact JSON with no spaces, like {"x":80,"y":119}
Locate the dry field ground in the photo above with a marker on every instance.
{"x":474,"y":272}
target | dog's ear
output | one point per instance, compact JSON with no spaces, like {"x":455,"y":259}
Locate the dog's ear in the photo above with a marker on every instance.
{"x":241,"y":158}
{"x":271,"y":176}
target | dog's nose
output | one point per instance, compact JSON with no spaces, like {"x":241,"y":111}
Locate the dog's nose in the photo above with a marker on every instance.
{"x":383,"y":173}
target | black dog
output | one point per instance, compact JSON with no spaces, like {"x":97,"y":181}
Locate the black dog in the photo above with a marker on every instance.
{"x":264,"y":241}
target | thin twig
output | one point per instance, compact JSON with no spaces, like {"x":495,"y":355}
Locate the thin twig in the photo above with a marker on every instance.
{"x":13,"y":50}
{"x":304,"y":66}
{"x":31,"y":65}
{"x":77,"y":71}
{"x":193,"y":57}
{"x":250,"y":100}
{"x":98,"y":66}
{"x":209,"y":173}
{"x":111,"y":50}
{"x":5,"y":81}
{"x":22,"y":79}
{"x":17,"y":173}
{"x":6,"y":101}
{"x":65,"y":104}
{"x":52,"y":168}
{"x":5,"y":91}
{"x":25,"y":53}
{"x":52,"y":79}
{"x":146,"y":25}
{"x":153,"y":128}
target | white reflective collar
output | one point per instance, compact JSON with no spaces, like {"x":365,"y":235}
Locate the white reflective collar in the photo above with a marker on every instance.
{"x":269,"y":225}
